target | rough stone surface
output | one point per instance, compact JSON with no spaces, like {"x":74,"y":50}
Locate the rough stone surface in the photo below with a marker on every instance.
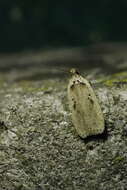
{"x":39,"y":147}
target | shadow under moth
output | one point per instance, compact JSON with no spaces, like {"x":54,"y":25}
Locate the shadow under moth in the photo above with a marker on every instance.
{"x":87,"y":116}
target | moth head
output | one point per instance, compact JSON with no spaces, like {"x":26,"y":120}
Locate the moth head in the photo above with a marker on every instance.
{"x":74,"y":71}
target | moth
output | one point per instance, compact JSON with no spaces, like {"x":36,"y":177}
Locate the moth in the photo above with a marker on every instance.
{"x":87,"y":116}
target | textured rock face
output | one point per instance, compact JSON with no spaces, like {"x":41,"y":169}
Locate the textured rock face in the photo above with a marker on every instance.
{"x":39,"y":147}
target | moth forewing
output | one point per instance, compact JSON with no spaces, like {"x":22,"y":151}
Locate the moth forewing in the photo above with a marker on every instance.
{"x":87,"y":116}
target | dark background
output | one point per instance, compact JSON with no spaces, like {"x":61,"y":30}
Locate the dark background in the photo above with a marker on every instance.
{"x":30,"y":24}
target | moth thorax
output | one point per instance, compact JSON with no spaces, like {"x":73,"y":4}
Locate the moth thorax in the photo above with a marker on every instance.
{"x":73,"y":71}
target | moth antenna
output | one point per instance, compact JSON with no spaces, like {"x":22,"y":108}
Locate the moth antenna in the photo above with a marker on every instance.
{"x":72,"y":71}
{"x":62,"y":70}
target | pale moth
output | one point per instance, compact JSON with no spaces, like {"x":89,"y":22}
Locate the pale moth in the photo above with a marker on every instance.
{"x":86,"y":113}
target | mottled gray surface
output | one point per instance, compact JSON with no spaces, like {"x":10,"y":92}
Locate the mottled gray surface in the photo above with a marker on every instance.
{"x":39,"y":147}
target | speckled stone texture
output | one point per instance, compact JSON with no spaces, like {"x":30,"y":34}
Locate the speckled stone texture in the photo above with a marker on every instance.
{"x":39,"y":147}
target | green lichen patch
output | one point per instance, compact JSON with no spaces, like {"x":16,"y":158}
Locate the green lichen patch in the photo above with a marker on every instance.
{"x":45,"y":86}
{"x":113,"y":82}
{"x":114,"y":79}
{"x":120,"y":74}
{"x":118,"y":159}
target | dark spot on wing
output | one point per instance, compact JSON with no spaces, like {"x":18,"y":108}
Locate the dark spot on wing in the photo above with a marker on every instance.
{"x":74,"y":105}
{"x":90,"y":98}
{"x":72,"y":86}
{"x":82,"y":83}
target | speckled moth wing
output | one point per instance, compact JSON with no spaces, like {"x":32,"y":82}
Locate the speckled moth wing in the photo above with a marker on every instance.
{"x":87,"y":116}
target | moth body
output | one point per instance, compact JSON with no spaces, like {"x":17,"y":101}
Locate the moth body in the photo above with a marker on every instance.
{"x":87,"y":116}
